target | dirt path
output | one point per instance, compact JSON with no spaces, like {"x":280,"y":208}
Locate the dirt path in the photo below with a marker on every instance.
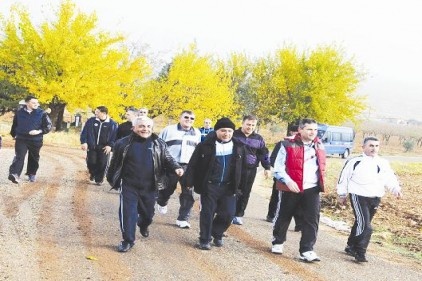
{"x":63,"y":228}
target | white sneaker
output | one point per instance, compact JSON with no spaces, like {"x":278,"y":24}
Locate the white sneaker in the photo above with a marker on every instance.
{"x":309,"y":256}
{"x":237,"y":220}
{"x":162,"y":209}
{"x":277,"y":248}
{"x":182,"y":224}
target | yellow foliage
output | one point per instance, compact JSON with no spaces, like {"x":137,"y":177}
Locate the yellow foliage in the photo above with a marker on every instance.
{"x":68,"y":61}
{"x":321,"y":85}
{"x":194,"y":83}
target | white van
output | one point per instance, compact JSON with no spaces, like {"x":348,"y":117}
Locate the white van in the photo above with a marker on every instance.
{"x":336,"y":139}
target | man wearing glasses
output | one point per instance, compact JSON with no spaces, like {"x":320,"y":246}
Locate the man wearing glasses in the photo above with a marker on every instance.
{"x":181,"y":139}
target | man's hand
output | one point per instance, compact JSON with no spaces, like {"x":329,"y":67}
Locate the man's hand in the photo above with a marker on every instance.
{"x":107,"y":149}
{"x":35,"y":132}
{"x":84,"y":146}
{"x":341,"y":199}
{"x":267,"y":173}
{"x":179,"y":172}
{"x":397,"y":193}
{"x":293,"y":187}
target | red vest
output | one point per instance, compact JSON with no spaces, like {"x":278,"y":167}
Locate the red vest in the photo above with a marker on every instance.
{"x":295,"y":158}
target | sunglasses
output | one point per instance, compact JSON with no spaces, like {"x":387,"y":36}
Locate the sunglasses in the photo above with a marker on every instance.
{"x":142,"y":112}
{"x":187,"y":117}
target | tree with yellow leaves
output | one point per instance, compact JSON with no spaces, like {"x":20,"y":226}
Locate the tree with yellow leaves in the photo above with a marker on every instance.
{"x":191,"y":82}
{"x":66,"y":62}
{"x":291,"y":86}
{"x":239,"y":69}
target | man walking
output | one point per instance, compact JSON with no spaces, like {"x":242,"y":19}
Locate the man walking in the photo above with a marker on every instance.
{"x":138,"y":169}
{"x":364,"y":178}
{"x":97,"y":139}
{"x":124,"y":129}
{"x":215,"y":171}
{"x":300,"y":165}
{"x":181,"y":139}
{"x":206,"y":129}
{"x":143,"y":111}
{"x":29,"y":126}
{"x":256,"y":152}
{"x":273,"y":204}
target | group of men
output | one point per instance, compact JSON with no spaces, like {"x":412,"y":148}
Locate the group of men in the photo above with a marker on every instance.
{"x":208,"y":161}
{"x":299,"y":169}
{"x":220,"y":164}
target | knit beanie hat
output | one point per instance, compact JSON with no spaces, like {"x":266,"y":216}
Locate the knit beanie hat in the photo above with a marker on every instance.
{"x":224,"y":123}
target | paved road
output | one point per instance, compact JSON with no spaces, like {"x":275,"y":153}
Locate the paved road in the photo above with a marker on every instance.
{"x":407,"y":159}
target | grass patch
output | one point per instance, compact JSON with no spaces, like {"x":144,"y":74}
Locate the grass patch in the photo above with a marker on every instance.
{"x":64,"y":139}
{"x":412,"y":169}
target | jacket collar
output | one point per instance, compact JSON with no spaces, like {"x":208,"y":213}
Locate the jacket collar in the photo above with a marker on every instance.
{"x":191,"y":131}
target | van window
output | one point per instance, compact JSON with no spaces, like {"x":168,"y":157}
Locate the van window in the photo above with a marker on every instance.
{"x":347,"y":137}
{"x":327,"y":136}
{"x":336,"y":136}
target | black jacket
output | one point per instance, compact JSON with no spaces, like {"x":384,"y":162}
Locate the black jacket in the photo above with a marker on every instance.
{"x":202,"y":162}
{"x":161,"y":157}
{"x":124,"y":130}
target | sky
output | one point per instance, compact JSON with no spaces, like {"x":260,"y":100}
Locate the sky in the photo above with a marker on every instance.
{"x":383,"y":38}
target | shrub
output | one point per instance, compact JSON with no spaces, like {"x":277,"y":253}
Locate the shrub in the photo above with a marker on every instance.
{"x":408,"y":145}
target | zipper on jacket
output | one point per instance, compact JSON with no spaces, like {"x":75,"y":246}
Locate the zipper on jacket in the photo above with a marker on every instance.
{"x":99,"y":132}
{"x":224,"y":165}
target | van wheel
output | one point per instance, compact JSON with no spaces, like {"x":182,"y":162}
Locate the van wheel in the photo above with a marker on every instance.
{"x":345,"y":154}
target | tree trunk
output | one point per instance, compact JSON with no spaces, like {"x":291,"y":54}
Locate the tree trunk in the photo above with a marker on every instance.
{"x":56,"y":115}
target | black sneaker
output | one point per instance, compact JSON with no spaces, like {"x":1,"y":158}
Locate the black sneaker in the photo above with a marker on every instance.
{"x":204,"y":246}
{"x":91,"y":178}
{"x":350,"y":250}
{"x":360,"y":257}
{"x":14,"y":178}
{"x":269,"y":219}
{"x":144,"y":231}
{"x":218,"y":242}
{"x":124,"y":246}
{"x":31,"y":178}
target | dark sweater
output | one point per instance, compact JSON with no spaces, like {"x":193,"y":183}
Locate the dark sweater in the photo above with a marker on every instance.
{"x":138,"y":169}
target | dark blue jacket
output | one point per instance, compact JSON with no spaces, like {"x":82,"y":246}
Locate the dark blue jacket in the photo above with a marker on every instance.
{"x":99,"y":134}
{"x":24,"y":122}
{"x":205,"y":132}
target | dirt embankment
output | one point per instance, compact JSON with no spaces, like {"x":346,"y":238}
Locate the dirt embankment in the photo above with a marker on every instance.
{"x":63,"y":228}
